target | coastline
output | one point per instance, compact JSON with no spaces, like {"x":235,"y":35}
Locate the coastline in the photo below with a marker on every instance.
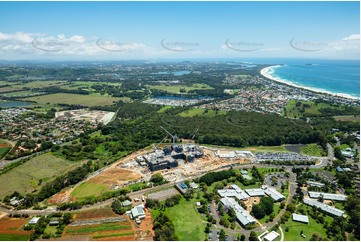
{"x":264,"y":73}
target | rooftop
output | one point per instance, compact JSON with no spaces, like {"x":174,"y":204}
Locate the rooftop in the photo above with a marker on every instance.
{"x":328,"y":196}
{"x":271,"y":236}
{"x":323,"y":207}
{"x":300,"y":218}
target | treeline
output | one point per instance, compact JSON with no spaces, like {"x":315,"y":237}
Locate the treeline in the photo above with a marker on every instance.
{"x":212,"y":177}
{"x":164,"y":229}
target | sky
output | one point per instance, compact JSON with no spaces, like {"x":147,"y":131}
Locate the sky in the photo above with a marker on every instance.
{"x":161,"y":30}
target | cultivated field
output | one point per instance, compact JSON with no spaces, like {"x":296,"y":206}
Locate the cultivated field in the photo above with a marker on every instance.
{"x":4,"y":148}
{"x":89,"y":225}
{"x":25,"y":178}
{"x":11,"y":229}
{"x":67,"y":98}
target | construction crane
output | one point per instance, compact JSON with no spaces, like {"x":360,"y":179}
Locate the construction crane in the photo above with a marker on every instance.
{"x":155,"y":147}
{"x":174,"y":137}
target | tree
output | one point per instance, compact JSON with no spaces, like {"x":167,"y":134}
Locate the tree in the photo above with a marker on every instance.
{"x":222,"y":235}
{"x":242,"y":237}
{"x":253,"y":236}
{"x":157,"y":178}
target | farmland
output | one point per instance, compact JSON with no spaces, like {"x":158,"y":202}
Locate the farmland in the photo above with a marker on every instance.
{"x":11,"y":229}
{"x":25,"y":178}
{"x":99,"y":230}
{"x":75,"y":99}
{"x":4,"y":148}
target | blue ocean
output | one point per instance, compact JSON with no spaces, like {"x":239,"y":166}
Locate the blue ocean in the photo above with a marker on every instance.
{"x":333,"y":76}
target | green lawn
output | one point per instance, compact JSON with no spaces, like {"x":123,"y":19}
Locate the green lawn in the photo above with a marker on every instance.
{"x":187,"y":221}
{"x":295,"y":229}
{"x":25,"y":177}
{"x":199,"y":111}
{"x":311,"y":108}
{"x":313,"y":150}
{"x":344,"y":146}
{"x":88,"y":189}
{"x":164,"y":108}
{"x":50,"y":229}
{"x":4,"y":151}
{"x":13,"y":237}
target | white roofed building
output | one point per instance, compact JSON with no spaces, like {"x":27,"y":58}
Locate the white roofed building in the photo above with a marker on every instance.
{"x":242,"y":215}
{"x":274,"y":194}
{"x":328,"y":196}
{"x":255,"y":192}
{"x":300,"y":218}
{"x":326,"y":208}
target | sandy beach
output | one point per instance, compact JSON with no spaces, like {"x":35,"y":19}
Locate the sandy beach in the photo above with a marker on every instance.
{"x":264,"y":72}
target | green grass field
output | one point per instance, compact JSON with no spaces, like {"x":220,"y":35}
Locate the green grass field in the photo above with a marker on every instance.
{"x":4,"y":151}
{"x":313,"y":150}
{"x":295,"y":229}
{"x":311,"y":108}
{"x":67,"y":98}
{"x":50,"y":229}
{"x":112,"y":235}
{"x":187,"y":220}
{"x":344,"y":146}
{"x":201,"y":112}
{"x":177,"y":88}
{"x":86,"y":85}
{"x":347,"y":118}
{"x":14,"y":237}
{"x":97,"y":228}
{"x":88,"y":189}
{"x":25,"y":177}
{"x":164,"y":108}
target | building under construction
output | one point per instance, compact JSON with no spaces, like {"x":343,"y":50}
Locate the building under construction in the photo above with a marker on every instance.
{"x":167,"y":157}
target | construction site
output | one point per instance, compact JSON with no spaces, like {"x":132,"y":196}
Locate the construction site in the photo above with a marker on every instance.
{"x":91,"y":116}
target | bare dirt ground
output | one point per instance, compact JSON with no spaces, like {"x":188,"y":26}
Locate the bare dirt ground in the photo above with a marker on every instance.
{"x":61,"y":197}
{"x":115,"y":175}
{"x":4,"y":145}
{"x":164,"y":194}
{"x":95,"y":214}
{"x":13,"y":226}
{"x":144,"y":231}
{"x":251,"y":202}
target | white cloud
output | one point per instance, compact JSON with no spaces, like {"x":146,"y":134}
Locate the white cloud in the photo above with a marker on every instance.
{"x":352,"y":37}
